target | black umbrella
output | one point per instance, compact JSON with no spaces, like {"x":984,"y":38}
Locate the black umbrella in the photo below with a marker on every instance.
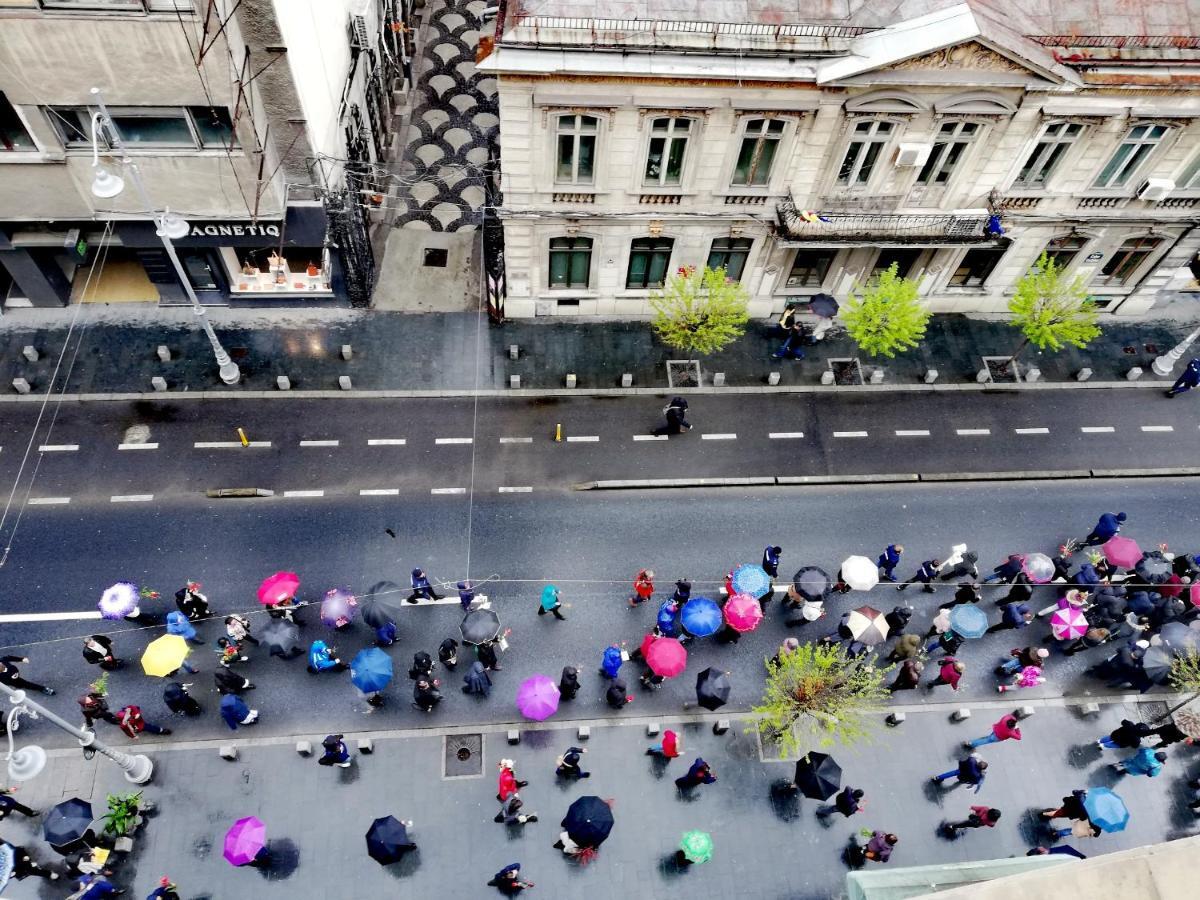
{"x":1156,"y":663}
{"x":818,"y":776}
{"x":823,"y":305}
{"x":378,"y":611}
{"x":812,"y":583}
{"x":67,"y":822}
{"x":388,"y":840}
{"x":1153,"y":568}
{"x":280,"y":637}
{"x":588,"y":821}
{"x":480,"y":626}
{"x":712,"y":688}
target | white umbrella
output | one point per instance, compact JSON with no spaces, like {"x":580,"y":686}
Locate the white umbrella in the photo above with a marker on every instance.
{"x":860,"y":573}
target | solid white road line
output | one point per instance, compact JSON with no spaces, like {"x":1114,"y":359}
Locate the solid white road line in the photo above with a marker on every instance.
{"x":453,"y":440}
{"x":785,"y":435}
{"x":386,"y":442}
{"x":379,"y":492}
{"x":57,"y":448}
{"x":130,"y":498}
{"x":319,"y":443}
{"x":1032,"y":430}
{"x":228,"y":445}
{"x":919,"y":432}
{"x":304,"y":493}
{"x":137,"y":446}
{"x":971,"y":432}
{"x":516,"y":440}
{"x":724,"y":436}
{"x":1158,"y":428}
{"x":583,"y":438}
{"x":649,"y":437}
{"x":447,"y":490}
{"x":849,"y":434}
{"x":48,"y":501}
{"x":50,"y":617}
{"x":516,"y":490}
{"x":1097,"y":429}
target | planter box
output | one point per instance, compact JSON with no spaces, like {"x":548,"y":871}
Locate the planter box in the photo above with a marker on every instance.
{"x":846,"y":371}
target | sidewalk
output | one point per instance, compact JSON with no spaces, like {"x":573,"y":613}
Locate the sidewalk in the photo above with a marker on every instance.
{"x":113,"y":350}
{"x":768,"y":843}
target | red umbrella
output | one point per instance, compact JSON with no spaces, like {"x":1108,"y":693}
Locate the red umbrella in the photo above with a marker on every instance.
{"x":743,"y":612}
{"x":278,"y":587}
{"x":1122,"y":552}
{"x":666,"y":657}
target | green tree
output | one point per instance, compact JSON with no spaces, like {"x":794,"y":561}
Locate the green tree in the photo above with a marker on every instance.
{"x":1185,"y":678}
{"x":1051,"y":309}
{"x":885,"y":316}
{"x":816,"y":695}
{"x":700,"y":310}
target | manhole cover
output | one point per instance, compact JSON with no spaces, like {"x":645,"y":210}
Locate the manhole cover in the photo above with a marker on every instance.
{"x":1152,"y":711}
{"x":463,"y":756}
{"x":683,"y":373}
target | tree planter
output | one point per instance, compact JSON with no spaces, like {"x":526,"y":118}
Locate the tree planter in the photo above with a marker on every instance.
{"x":846,"y":371}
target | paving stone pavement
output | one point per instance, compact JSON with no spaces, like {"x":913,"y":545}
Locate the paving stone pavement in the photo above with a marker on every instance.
{"x":769,"y":843}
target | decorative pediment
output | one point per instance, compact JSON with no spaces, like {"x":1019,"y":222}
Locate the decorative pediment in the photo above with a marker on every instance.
{"x":971,"y":55}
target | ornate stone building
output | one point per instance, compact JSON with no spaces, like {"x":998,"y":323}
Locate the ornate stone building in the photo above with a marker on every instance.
{"x":804,"y":145}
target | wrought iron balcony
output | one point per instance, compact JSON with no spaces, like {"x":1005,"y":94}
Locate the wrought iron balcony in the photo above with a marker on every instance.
{"x":959,"y":227}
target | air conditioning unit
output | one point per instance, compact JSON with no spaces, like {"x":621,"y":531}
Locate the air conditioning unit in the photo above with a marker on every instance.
{"x":910,"y":155}
{"x":1155,"y":189}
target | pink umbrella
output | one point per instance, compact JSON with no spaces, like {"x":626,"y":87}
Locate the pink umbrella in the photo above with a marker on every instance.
{"x":666,"y":657}
{"x":1193,"y":593}
{"x":743,"y":612}
{"x":278,"y":587}
{"x":1068,"y":624}
{"x":244,"y":840}
{"x":537,"y":698}
{"x":1122,"y":552}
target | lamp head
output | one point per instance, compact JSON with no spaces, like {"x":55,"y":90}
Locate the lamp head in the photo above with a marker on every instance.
{"x":105,"y":184}
{"x":173,"y":226}
{"x":26,"y":763}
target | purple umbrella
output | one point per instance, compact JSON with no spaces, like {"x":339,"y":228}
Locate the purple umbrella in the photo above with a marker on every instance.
{"x":118,"y":601}
{"x":537,"y":698}
{"x":339,"y":607}
{"x":244,"y":840}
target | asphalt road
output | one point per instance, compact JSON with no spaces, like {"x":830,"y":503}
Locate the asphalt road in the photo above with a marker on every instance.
{"x":589,"y":544}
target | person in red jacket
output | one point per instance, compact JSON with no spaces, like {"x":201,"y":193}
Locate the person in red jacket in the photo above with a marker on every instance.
{"x":508,"y":784}
{"x":980,"y":817}
{"x":643,"y":587}
{"x":950,"y":673}
{"x":669,"y":748}
{"x":130,"y":721}
{"x":1006,"y":729}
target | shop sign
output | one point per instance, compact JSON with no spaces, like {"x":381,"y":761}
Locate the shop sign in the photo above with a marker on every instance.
{"x":229,"y":229}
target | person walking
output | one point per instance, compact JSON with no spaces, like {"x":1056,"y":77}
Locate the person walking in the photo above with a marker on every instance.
{"x":1147,"y":761}
{"x":448,"y":653}
{"x":426,"y":695}
{"x":551,"y":603}
{"x":1019,"y":658}
{"x":980,"y":817}
{"x":907,"y":647}
{"x":568,"y":764}
{"x":510,"y":812}
{"x":617,"y":696}
{"x":1071,"y":808}
{"x":610,"y":662}
{"x":179,"y":701}
{"x":1188,"y":379}
{"x":422,"y":588}
{"x":1007,"y":570}
{"x":770,"y":565}
{"x":697,"y":774}
{"x":24,"y":866}
{"x":926,"y":574}
{"x":422,"y":666}
{"x":1108,"y":526}
{"x":94,"y":706}
{"x":166,"y":890}
{"x":889,"y":559}
{"x":11,"y":676}
{"x":191,"y":602}
{"x":568,"y":683}
{"x":1126,"y":736}
{"x":668,"y":748}
{"x":971,"y":770}
{"x":181,"y":625}
{"x":336,"y":753}
{"x":486,"y":654}
{"x":794,"y":338}
{"x":1005,"y":728}
{"x":98,"y":651}
{"x":237,"y":628}
{"x":10,"y":804}
{"x":131,"y":721}
{"x":476,"y":681}
{"x":847,"y":801}
{"x":878,"y":849}
{"x":675,"y":413}
{"x":1012,"y":615}
{"x":506,"y":782}
{"x":961,"y":565}
{"x":898,"y":620}
{"x":1170,"y":733}
{"x":466,"y":595}
{"x":1030,"y":676}
{"x":235,"y":712}
{"x":508,"y":880}
{"x":230,"y":682}
{"x":950,"y":672}
{"x":386,"y":634}
{"x":643,"y":588}
{"x":1093,"y":637}
{"x":909,"y":675}
{"x":967,"y":592}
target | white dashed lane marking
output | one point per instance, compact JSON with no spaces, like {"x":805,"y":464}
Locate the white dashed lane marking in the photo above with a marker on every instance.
{"x":849,"y":434}
{"x":319,"y":443}
{"x":137,"y":446}
{"x":379,"y":492}
{"x":649,"y":437}
{"x":719,"y":436}
{"x":583,"y":438}
{"x":304,"y":493}
{"x":1158,"y":428}
{"x":49,"y":501}
{"x":453,"y":440}
{"x":130,"y":498}
{"x":1097,"y":429}
{"x":972,"y":432}
{"x":914,"y":433}
{"x":785,"y":435}
{"x":385,"y":442}
{"x":1032,"y":430}
{"x":447,"y":490}
{"x":58,"y":448}
{"x":516,"y":490}
{"x":230,"y":445}
{"x":516,"y":440}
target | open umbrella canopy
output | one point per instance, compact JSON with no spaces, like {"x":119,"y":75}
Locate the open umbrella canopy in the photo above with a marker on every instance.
{"x":968,"y":621}
{"x":244,"y":840}
{"x":278,"y":587}
{"x":697,"y":846}
{"x":1105,"y":809}
{"x":860,"y":573}
{"x":868,"y":625}
{"x":1156,"y":663}
{"x":338,"y":607}
{"x":280,"y":636}
{"x":371,"y":670}
{"x":1153,"y":568}
{"x":752,"y":580}
{"x":701,"y":617}
{"x":164,"y":655}
{"x":712,"y":688}
{"x":1181,"y":638}
{"x":812,"y":583}
{"x":823,"y":305}
{"x":1193,"y":593}
{"x":1068,"y":624}
{"x":666,"y":657}
{"x":588,"y":821}
{"x":378,"y":611}
{"x":537,"y":698}
{"x":480,"y":626}
{"x":1038,"y":567}
{"x":118,"y":601}
{"x":818,"y":776}
{"x":1122,"y":552}
{"x":743,"y":612}
{"x":67,"y":822}
{"x":388,"y":840}
{"x":8,"y":860}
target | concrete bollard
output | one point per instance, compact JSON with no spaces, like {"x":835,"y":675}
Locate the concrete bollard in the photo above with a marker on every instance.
{"x":961,"y":714}
{"x":627,"y":379}
{"x":772,"y":378}
{"x":1090,"y":709}
{"x":20,"y":385}
{"x":876,"y":376}
{"x":983,"y":376}
{"x":931,"y":375}
{"x":229,"y":752}
{"x":347,"y":352}
{"x":514,"y":351}
{"x":896,"y":718}
{"x":1083,"y":374}
{"x":1023,"y":712}
{"x":304,"y":748}
{"x":164,"y":353}
{"x":30,"y":353}
{"x":283,"y":383}
{"x":827,"y":377}
{"x":584,"y":732}
{"x":652,"y":729}
{"x":571,"y":380}
{"x":158,"y":383}
{"x":344,"y":382}
{"x":514,"y":736}
{"x":1033,"y":373}
{"x":718,"y":379}
{"x":720,"y":726}
{"x":1134,"y":374}
{"x":366,"y":746}
{"x":514,"y":381}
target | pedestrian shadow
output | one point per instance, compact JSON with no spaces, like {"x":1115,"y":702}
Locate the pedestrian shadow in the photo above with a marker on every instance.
{"x":284,"y":860}
{"x":515,"y":831}
{"x":935,"y":793}
{"x":785,"y":800}
{"x":407,"y":865}
{"x":350,"y":774}
{"x":659,"y":765}
{"x":687,"y":795}
{"x":1033,"y":828}
{"x":671,"y":865}
{"x":1082,"y":756}
{"x":1182,"y":817}
{"x":1106,"y":776}
{"x":537,"y":740}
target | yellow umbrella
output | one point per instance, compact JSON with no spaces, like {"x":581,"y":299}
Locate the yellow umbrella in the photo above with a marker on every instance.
{"x":164,"y":655}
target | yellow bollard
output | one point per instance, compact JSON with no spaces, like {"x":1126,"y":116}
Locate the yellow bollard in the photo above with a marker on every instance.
{"x":242,"y":435}
{"x":558,"y":433}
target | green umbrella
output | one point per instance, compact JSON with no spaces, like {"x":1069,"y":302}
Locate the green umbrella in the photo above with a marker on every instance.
{"x":697,"y":846}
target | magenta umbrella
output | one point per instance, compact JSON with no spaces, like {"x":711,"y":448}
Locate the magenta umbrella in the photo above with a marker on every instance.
{"x":666,"y":657}
{"x":537,"y":698}
{"x":1067,"y":624}
{"x":278,"y":587}
{"x":1194,"y":593}
{"x":244,"y":840}
{"x":1122,"y":552}
{"x":743,"y":612}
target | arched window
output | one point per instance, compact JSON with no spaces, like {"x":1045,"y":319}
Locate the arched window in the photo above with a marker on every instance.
{"x":570,"y":263}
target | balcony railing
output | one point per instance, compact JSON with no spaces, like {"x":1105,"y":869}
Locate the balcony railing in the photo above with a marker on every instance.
{"x":960,"y":227}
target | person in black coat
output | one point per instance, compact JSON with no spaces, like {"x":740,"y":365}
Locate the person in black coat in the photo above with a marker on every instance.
{"x":448,"y":653}
{"x":508,"y":880}
{"x":617,"y":694}
{"x":569,"y":767}
{"x":98,"y":651}
{"x":675,"y":413}
{"x":230,"y":682}
{"x":179,"y":701}
{"x":568,"y":684}
{"x":966,"y":593}
{"x":770,"y":565}
{"x":1007,"y":570}
{"x":191,"y":602}
{"x":487,"y":655}
{"x":477,"y":681}
{"x":1127,"y":736}
{"x":898,"y":620}
{"x":426,"y":696}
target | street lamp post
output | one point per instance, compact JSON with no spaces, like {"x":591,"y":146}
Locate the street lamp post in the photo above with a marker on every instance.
{"x":1163,"y":364}
{"x":28,"y":761}
{"x":169,"y":227}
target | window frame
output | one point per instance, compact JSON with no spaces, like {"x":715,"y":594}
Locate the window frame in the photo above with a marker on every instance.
{"x":1048,"y":153}
{"x":1072,"y":253}
{"x":576,"y":132}
{"x":875,"y":270}
{"x":651,"y":247}
{"x":115,"y":6}
{"x":943,"y":162}
{"x":971,"y":280}
{"x":769,"y":131}
{"x":57,"y":115}
{"x":739,"y":249}
{"x":824,"y":272}
{"x":854,"y":167}
{"x":570,"y":254}
{"x":1125,"y":167}
{"x":1142,"y":255}
{"x":670,"y":139}
{"x":17,"y":122}
{"x":1189,"y":176}
{"x":180,"y":113}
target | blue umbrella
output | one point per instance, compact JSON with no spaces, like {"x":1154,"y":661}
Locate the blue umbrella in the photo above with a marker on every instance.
{"x":371,"y":670}
{"x":666,"y":618}
{"x":1105,"y":809}
{"x":752,"y":580}
{"x":968,"y":621}
{"x":8,"y":859}
{"x":702,"y":617}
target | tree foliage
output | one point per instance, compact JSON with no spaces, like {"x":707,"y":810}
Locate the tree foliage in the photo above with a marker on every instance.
{"x":1052,"y":310}
{"x":885,"y":316}
{"x":700,"y":310}
{"x":816,"y":695}
{"x":1184,"y":677}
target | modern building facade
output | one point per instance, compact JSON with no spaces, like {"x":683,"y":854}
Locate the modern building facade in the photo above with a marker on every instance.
{"x":806,"y":145}
{"x":255,"y":120}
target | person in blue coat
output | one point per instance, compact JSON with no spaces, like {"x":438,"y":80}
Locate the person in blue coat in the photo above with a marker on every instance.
{"x":1107,"y":527}
{"x":422,"y":588}
{"x":235,"y":712}
{"x":889,"y":559}
{"x":668,"y":619}
{"x":770,"y":565}
{"x":610,"y":663}
{"x":1189,"y":379}
{"x":385,"y":634}
{"x":178,"y":623}
{"x":323,"y":658}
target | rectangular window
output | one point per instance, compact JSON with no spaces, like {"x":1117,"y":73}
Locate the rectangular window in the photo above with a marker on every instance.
{"x":1189,"y":178}
{"x":570,"y":262}
{"x":903,"y":257}
{"x":668,"y":144}
{"x":976,"y":266}
{"x":730,"y":254}
{"x":1063,"y":250}
{"x":1128,"y":157}
{"x":213,"y":126}
{"x":952,"y":142}
{"x":97,"y":5}
{"x":1122,"y":267}
{"x":74,"y":126}
{"x":1056,"y":139}
{"x":760,"y":141}
{"x":13,"y":136}
{"x":810,"y":267}
{"x":576,"y":149}
{"x":209,"y":128}
{"x":649,"y":259}
{"x":199,"y":269}
{"x":154,"y":127}
{"x":866,"y":143}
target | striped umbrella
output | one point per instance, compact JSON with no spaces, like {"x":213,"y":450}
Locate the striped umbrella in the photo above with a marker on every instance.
{"x":1068,"y":624}
{"x":868,"y":625}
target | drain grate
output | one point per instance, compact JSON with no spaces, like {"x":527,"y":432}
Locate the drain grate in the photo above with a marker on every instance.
{"x":683,"y":373}
{"x":462,"y":756}
{"x":1152,"y":711}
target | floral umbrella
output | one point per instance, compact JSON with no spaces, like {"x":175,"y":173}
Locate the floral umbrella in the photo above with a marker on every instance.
{"x":338,"y":607}
{"x":1039,"y":567}
{"x":752,"y":580}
